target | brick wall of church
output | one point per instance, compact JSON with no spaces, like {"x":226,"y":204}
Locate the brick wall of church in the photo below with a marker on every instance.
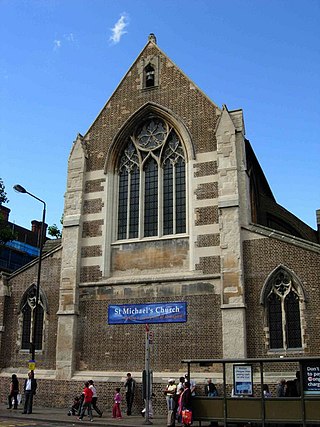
{"x":182,"y":97}
{"x":200,"y":117}
{"x":104,"y":347}
{"x":261,"y":257}
{"x":10,"y":353}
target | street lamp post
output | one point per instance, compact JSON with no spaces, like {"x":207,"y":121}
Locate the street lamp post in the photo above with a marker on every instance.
{"x":21,"y":189}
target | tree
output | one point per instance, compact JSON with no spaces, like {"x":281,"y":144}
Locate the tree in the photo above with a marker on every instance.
{"x":6,"y":234}
{"x":3,"y":194}
{"x":54,"y":231}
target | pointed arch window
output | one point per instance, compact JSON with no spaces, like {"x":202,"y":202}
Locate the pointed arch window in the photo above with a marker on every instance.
{"x":152,"y":183}
{"x":149,"y":76}
{"x":283,"y":312}
{"x":27,"y":312}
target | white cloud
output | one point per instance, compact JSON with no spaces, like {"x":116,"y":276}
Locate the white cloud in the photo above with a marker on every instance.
{"x":56,"y":44}
{"x":119,"y":28}
{"x":69,"y":37}
{"x":66,"y":39}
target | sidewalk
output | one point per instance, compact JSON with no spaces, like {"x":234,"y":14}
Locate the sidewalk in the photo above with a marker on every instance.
{"x":59,"y":416}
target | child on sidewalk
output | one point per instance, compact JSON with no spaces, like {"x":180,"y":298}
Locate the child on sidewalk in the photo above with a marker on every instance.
{"x":75,"y":409}
{"x":116,"y":411}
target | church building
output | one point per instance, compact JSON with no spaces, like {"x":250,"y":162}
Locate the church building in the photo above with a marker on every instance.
{"x":166,"y":205}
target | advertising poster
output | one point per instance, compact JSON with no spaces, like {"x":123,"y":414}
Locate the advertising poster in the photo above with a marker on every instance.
{"x":242,"y":380}
{"x":311,"y":377}
{"x":169,"y":312}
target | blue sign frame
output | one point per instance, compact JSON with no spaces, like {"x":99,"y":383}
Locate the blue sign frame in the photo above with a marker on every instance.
{"x":311,"y":377}
{"x":242,"y":380}
{"x":169,"y":312}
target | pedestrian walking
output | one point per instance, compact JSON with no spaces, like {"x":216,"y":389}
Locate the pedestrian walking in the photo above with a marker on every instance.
{"x":14,"y":391}
{"x":94,"y":398}
{"x":87,"y":399}
{"x":116,"y":411}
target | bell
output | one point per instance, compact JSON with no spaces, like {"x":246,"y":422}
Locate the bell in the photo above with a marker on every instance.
{"x":149,"y":78}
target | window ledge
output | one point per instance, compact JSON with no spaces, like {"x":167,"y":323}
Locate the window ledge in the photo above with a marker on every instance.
{"x":150,"y":239}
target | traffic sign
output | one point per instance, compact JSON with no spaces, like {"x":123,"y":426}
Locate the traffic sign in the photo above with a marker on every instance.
{"x":31,"y":365}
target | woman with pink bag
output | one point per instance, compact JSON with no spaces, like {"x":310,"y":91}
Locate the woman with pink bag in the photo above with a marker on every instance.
{"x":185,"y":409}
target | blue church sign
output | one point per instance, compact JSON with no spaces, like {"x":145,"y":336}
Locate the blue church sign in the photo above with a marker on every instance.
{"x":170,"y":312}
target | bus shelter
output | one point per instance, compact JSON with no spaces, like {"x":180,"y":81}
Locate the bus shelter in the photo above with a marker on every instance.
{"x":242,"y":399}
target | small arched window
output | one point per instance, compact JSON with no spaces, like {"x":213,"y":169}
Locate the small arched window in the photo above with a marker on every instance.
{"x":27,"y":310}
{"x":149,"y":76}
{"x":152,"y":183}
{"x":282,"y":302}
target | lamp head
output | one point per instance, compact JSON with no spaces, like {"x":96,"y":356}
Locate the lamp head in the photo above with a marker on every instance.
{"x":19,"y":189}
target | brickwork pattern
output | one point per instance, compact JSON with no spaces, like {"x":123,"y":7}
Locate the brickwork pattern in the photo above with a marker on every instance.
{"x":261,"y":257}
{"x":206,"y":240}
{"x":91,"y":251}
{"x":92,"y":228}
{"x":90,"y":274}
{"x":116,"y":342}
{"x":207,"y":215}
{"x":209,"y":264}
{"x":209,"y":190}
{"x":92,"y":206}
{"x":10,"y":353}
{"x":94,"y":185}
{"x":205,"y":169}
{"x":185,"y":100}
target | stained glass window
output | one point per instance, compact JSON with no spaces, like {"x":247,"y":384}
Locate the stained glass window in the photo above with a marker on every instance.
{"x":283,"y":307}
{"x":28,"y":318}
{"x":152,"y":184}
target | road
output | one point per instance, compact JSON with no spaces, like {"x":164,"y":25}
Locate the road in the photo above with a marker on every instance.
{"x":9,"y":422}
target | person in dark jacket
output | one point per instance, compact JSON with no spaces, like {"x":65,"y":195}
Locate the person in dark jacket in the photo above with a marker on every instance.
{"x":185,"y":403}
{"x":281,"y":388}
{"x":129,"y":385}
{"x":210,"y":389}
{"x":291,"y":390}
{"x":14,"y":391}
{"x":30,"y":387}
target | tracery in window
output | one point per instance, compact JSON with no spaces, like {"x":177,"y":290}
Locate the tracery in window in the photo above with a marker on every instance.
{"x":152,"y":184}
{"x":283,"y":309}
{"x":28,"y":318}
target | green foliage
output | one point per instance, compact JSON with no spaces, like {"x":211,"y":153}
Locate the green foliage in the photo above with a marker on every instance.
{"x":6,"y":234}
{"x":54,"y":231}
{"x":3,"y":194}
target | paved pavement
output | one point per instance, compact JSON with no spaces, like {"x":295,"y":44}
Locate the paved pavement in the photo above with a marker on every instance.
{"x":59,"y":417}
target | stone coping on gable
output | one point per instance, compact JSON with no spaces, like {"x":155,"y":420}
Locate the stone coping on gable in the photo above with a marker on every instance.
{"x":279,"y":235}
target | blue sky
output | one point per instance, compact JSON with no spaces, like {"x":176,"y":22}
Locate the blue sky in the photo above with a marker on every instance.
{"x":60,"y":61}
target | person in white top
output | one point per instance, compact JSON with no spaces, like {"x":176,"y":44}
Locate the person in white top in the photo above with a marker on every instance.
{"x":94,"y":398}
{"x":180,"y":386}
{"x":30,"y":386}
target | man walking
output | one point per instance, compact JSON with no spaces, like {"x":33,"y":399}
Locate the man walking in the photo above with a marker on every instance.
{"x":130,"y":385}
